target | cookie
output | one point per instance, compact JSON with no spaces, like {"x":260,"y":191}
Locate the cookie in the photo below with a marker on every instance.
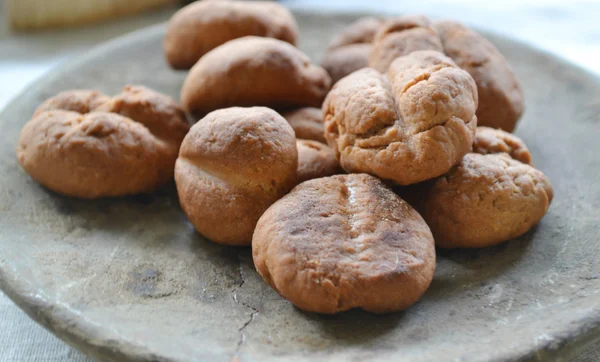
{"x":410,"y":125}
{"x":307,"y":123}
{"x":484,"y":201}
{"x":342,"y":61}
{"x":401,"y":36}
{"x":344,"y":242}
{"x":202,"y":26}
{"x":362,"y":31}
{"x":76,"y":144}
{"x":501,"y":100}
{"x":315,"y":160}
{"x":254,"y":71}
{"x":233,"y":164}
{"x":489,"y":140}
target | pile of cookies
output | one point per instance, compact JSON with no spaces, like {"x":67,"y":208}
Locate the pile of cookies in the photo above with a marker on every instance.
{"x":343,"y":178}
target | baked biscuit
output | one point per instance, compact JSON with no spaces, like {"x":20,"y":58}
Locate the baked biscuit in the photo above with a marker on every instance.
{"x":501,"y":101}
{"x":254,"y":71}
{"x":77,"y":145}
{"x":204,"y":25}
{"x":307,"y":123}
{"x":401,"y":36}
{"x":408,"y":126}
{"x":489,"y":140}
{"x":343,"y":242}
{"x":315,"y":160}
{"x":233,"y":164}
{"x":485,"y":200}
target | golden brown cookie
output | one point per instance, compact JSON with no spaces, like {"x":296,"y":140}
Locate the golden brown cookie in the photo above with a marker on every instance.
{"x":343,"y":242}
{"x":315,"y":160}
{"x":362,"y":31}
{"x":101,"y":153}
{"x":253,"y":71}
{"x":233,"y":164}
{"x":489,"y":140}
{"x":501,"y":101}
{"x":485,"y":200}
{"x":402,"y":36}
{"x":408,"y":126}
{"x":204,"y":25}
{"x":344,"y":60}
{"x":307,"y":123}
{"x":79,"y":100}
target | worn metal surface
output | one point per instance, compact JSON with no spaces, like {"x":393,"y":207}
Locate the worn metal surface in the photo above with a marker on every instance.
{"x":130,"y":279}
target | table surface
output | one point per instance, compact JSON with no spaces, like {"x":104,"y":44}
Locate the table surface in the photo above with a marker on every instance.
{"x":567,"y":29}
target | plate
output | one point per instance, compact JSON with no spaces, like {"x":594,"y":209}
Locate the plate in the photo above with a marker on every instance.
{"x":130,"y":279}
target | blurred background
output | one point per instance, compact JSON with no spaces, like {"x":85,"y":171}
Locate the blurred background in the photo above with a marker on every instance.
{"x":37,"y":35}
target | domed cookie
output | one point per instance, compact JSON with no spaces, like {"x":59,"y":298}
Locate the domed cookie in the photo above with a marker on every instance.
{"x":342,"y":61}
{"x":254,"y":71}
{"x":307,"y":123}
{"x":233,"y":164}
{"x":315,"y":160}
{"x":204,"y":25}
{"x":408,"y":126}
{"x":485,"y":200}
{"x":343,"y":242}
{"x":489,"y":140}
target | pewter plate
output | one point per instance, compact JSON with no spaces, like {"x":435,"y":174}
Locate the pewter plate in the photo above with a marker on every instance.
{"x":130,"y":279}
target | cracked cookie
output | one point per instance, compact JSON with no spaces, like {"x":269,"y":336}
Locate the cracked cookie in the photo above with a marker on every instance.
{"x":307,"y":123}
{"x":489,"y":140}
{"x":79,"y":143}
{"x":344,"y":242}
{"x":408,"y":126}
{"x":401,"y":36}
{"x":315,"y":160}
{"x":254,"y":71}
{"x":485,"y":200}
{"x":233,"y":164}
{"x":202,"y":26}
{"x":501,"y":101}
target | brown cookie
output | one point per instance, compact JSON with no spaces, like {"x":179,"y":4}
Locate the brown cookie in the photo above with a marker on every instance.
{"x":307,"y":123}
{"x":489,"y":140}
{"x":79,"y":100}
{"x":401,"y":36}
{"x":343,"y":242}
{"x":485,"y":200}
{"x":315,"y":160}
{"x":501,"y":101}
{"x":253,"y":71}
{"x":362,"y":31}
{"x":204,"y":25}
{"x":99,"y":154}
{"x":233,"y":164}
{"x":344,"y":60}
{"x":409,"y":126}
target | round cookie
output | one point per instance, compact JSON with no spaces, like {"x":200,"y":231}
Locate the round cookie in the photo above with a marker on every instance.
{"x":342,"y":61}
{"x":78,"y":100}
{"x":343,"y":242}
{"x":102,"y":153}
{"x":410,"y":125}
{"x":254,"y":71}
{"x":315,"y":160}
{"x":362,"y":31}
{"x":233,"y":164}
{"x":485,"y":200}
{"x":501,"y":101}
{"x":489,"y":140}
{"x":401,"y":36}
{"x":203,"y":25}
{"x":307,"y":123}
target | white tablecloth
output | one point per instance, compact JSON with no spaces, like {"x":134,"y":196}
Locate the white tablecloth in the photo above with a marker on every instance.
{"x":568,"y":29}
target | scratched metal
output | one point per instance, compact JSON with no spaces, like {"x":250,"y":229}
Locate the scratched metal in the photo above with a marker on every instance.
{"x":130,"y":279}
